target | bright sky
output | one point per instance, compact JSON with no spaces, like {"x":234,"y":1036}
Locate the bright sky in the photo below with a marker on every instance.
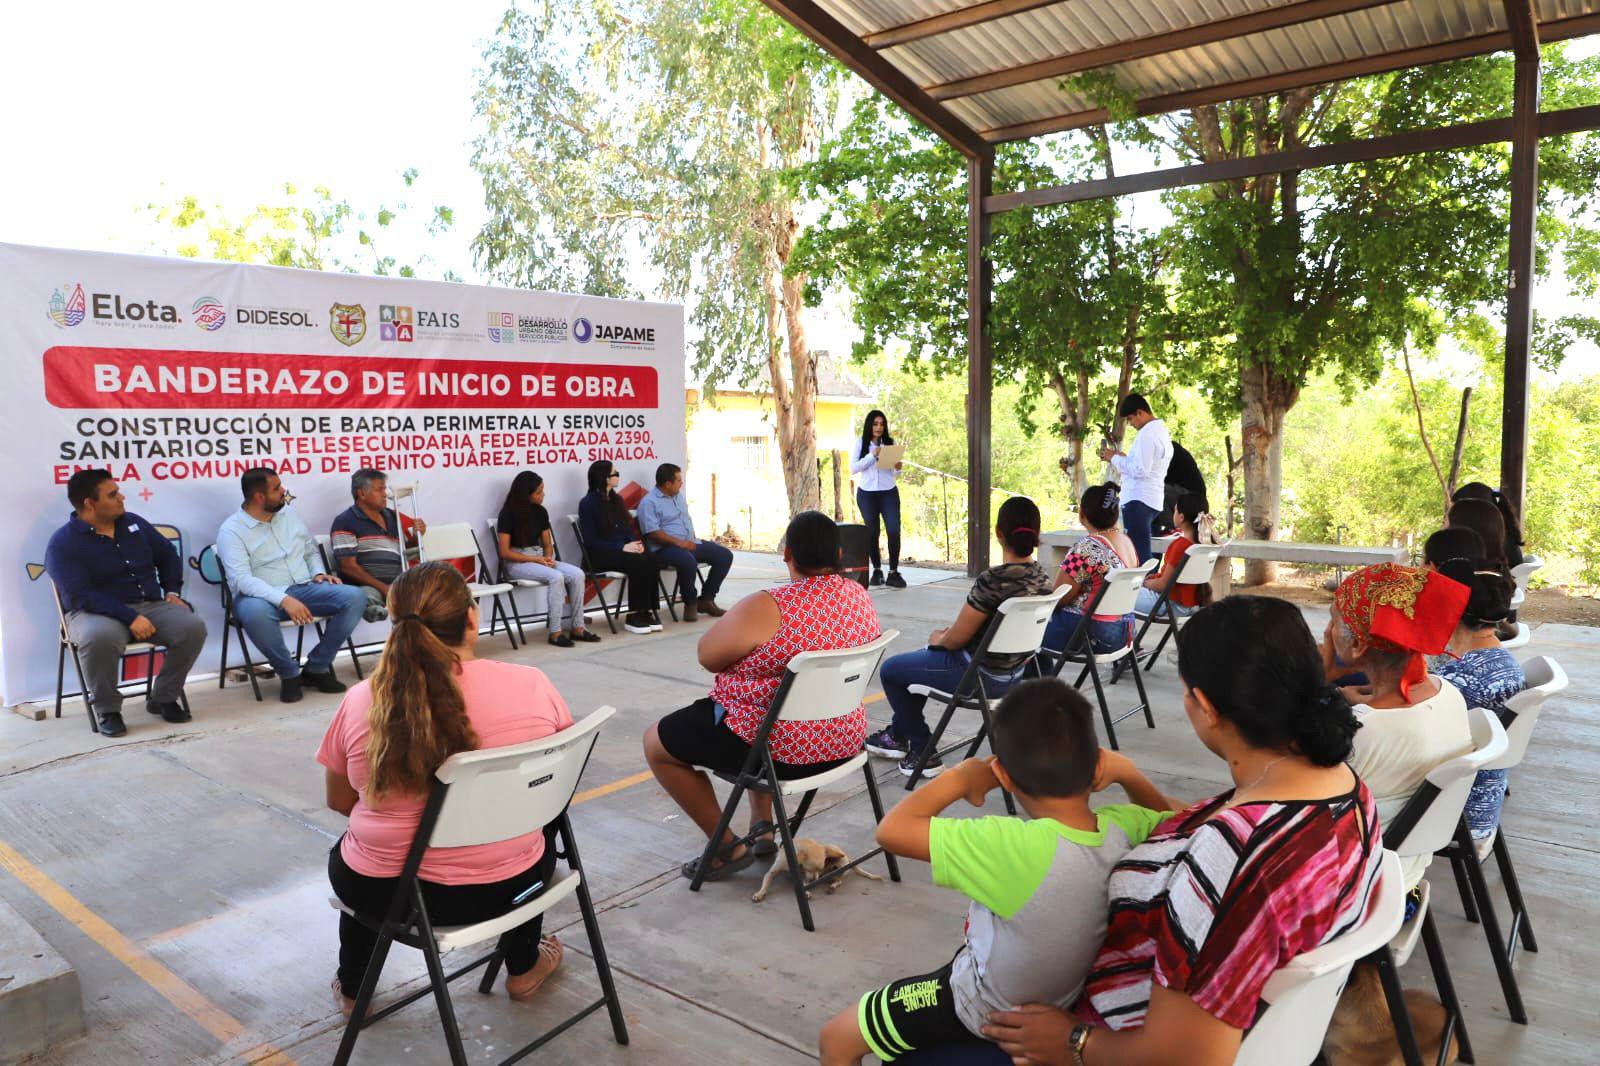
{"x":114,"y":107}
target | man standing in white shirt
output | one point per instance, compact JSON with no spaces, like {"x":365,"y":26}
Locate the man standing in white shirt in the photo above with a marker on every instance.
{"x":1143,"y":468}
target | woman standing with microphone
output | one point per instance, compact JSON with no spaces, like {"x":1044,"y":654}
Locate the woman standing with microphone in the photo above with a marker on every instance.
{"x":878,"y":497}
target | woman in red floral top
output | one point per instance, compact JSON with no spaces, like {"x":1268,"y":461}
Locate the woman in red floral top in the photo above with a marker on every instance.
{"x":748,"y":649}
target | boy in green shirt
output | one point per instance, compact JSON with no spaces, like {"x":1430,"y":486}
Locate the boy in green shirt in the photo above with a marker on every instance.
{"x":1037,"y":886}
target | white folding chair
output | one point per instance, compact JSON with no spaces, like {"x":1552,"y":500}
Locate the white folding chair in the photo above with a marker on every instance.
{"x":1015,"y":631}
{"x":1524,"y":635}
{"x":598,"y":578}
{"x":816,"y":685}
{"x":1430,"y":821}
{"x":1302,"y":994}
{"x":1521,"y":573}
{"x":455,"y":540}
{"x":136,"y":647}
{"x":515,"y":583}
{"x":209,"y":566}
{"x":484,"y":797}
{"x":1118,"y":593}
{"x":1199,"y":567}
{"x":1545,"y":678}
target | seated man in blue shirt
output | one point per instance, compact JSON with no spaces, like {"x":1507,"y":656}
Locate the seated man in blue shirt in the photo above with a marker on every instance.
{"x":275,"y":574}
{"x":119,"y":581}
{"x":664,"y":520}
{"x":367,"y":540}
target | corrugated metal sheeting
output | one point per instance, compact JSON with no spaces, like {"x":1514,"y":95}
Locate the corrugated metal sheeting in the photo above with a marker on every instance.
{"x":1065,"y":27}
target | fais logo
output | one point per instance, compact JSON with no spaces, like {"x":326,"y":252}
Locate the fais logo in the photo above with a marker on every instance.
{"x":396,"y":323}
{"x":348,"y":322}
{"x":209,"y":314}
{"x":633,"y":338}
{"x":67,"y":306}
{"x":502,"y":328}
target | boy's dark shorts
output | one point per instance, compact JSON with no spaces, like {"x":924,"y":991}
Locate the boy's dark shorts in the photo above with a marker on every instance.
{"x":911,"y":1013}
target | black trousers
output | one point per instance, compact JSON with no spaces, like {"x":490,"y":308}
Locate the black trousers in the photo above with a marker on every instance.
{"x":881,"y":506}
{"x":642,"y":569}
{"x":447,"y":905}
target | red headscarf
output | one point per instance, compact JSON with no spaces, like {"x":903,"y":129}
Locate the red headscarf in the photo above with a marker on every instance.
{"x":1403,"y":609}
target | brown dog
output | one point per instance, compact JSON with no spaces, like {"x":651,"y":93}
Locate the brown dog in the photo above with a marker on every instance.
{"x":816,"y":859}
{"x":1362,"y":1030}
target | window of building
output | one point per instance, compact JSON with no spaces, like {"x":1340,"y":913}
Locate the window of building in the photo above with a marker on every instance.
{"x":751,"y":452}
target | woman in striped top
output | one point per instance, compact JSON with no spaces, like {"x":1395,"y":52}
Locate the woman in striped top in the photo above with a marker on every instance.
{"x":1229,"y":889}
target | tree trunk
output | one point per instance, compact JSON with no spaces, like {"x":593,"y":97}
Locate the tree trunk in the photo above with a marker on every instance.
{"x":1267,"y":398}
{"x":797,"y":434}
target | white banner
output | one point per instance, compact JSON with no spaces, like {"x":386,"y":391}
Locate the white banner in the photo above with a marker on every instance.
{"x":177,"y":375}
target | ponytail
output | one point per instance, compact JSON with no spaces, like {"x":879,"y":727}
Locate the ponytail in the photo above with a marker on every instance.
{"x":1017,"y":525}
{"x":1257,"y":662}
{"x":418,"y":717}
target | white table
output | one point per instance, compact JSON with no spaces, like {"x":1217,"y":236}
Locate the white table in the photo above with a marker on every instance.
{"x":1057,"y":542}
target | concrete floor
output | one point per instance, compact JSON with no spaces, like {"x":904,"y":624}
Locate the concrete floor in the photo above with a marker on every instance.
{"x":181,"y":870}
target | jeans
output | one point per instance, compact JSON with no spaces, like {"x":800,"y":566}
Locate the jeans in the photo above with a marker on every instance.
{"x":683,"y":561}
{"x":938,"y":668}
{"x":1105,"y":637}
{"x":1136,"y":519}
{"x":102,"y":639}
{"x":1147,"y":603}
{"x":447,"y":905}
{"x":340,"y":605}
{"x":884,"y":504}
{"x":563,"y":591}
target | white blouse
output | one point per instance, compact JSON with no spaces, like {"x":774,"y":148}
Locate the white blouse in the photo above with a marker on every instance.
{"x":869,"y":477}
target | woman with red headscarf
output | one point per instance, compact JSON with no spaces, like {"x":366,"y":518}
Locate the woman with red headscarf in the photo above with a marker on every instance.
{"x":1385,"y":619}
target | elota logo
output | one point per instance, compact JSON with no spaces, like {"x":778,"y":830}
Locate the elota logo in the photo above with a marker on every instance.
{"x":109,"y":307}
{"x":67,"y":306}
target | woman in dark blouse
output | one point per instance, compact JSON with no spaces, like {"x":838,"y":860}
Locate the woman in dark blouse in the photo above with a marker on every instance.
{"x":612,"y":543}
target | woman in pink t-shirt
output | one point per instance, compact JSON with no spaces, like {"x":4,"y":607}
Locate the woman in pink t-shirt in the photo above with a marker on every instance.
{"x":430,"y":684}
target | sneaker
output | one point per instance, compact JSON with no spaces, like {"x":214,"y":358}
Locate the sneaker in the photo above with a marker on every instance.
{"x":638,"y":622}
{"x":289,"y":689}
{"x":655,"y":622}
{"x":168,"y":710}
{"x":886,"y":745}
{"x":110,"y":724}
{"x":326,"y":681}
{"x":908,"y":765}
{"x":877,"y":577}
{"x":894,"y":580}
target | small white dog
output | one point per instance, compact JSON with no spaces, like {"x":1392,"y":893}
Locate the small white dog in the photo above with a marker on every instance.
{"x":816,"y":859}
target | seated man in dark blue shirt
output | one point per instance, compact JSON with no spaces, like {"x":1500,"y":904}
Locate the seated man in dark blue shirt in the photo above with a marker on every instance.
{"x":119,"y":581}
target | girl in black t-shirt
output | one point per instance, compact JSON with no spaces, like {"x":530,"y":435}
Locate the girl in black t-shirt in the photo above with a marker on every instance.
{"x":528,"y":553}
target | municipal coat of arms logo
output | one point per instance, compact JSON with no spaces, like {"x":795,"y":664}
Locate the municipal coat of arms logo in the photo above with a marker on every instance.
{"x":348,"y":323}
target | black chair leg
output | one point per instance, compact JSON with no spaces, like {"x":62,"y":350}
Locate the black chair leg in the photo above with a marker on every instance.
{"x":714,"y":844}
{"x":1521,"y":924}
{"x":440,"y":982}
{"x":1405,"y":1035}
{"x":591,"y":926}
{"x":877,"y":817}
{"x":249,"y":666}
{"x":222,"y":663}
{"x":1468,"y":907}
{"x":516,"y":612}
{"x":1138,"y":683}
{"x":83,"y":686}
{"x":369,"y":986}
{"x":1454,"y":1021}
{"x":799,"y":815}
{"x":933,"y":743}
{"x":1491,"y":926}
{"x":491,"y":970}
{"x":1155,"y":656}
{"x":605,"y":608}
{"x":795,"y":876}
{"x":1105,"y":711}
{"x":61,"y":674}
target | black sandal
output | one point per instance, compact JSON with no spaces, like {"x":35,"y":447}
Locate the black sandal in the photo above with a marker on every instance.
{"x":728,"y":868}
{"x":758,"y":842}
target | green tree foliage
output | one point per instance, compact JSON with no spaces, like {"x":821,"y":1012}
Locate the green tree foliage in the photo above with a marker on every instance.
{"x":1072,"y":284}
{"x":627,"y":140}
{"x":309,"y":229}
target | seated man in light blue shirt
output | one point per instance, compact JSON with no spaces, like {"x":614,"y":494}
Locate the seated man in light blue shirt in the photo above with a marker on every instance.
{"x":669,"y":531}
{"x":275,"y":574}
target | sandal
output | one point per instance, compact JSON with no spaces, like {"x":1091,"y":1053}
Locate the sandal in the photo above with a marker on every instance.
{"x":727,"y":868}
{"x":521,"y":987}
{"x":760,"y":843}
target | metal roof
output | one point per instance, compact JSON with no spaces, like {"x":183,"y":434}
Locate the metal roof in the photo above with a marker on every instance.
{"x":995,"y":67}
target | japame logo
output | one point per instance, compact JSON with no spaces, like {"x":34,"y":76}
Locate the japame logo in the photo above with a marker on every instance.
{"x":634,"y":337}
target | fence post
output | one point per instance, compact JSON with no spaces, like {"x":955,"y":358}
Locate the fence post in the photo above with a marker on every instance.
{"x":714,"y":533}
{"x":838,"y":508}
{"x":944,"y":490}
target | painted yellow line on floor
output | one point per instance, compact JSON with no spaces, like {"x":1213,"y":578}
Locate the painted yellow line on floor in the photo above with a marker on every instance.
{"x":174,"y":989}
{"x":640,"y":778}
